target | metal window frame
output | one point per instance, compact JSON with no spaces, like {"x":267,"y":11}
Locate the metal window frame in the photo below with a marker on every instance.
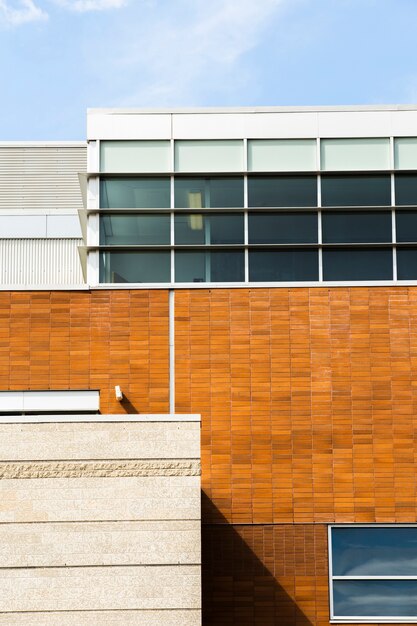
{"x":357,"y":619}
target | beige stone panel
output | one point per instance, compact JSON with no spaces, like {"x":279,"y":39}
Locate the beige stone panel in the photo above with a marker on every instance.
{"x":136,"y":440}
{"x":100,"y":588}
{"x":104,"y":618}
{"x":100,"y":499}
{"x":92,"y":543}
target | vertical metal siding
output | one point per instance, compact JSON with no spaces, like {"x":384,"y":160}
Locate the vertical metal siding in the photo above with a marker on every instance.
{"x":40,"y":262}
{"x":41,"y":177}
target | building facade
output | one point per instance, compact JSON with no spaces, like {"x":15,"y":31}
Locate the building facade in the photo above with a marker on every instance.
{"x":257,"y":267}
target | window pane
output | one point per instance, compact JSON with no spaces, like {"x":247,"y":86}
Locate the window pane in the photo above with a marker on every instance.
{"x":209,"y":156}
{"x":405,"y":153}
{"x":200,"y":193}
{"x":283,"y":227}
{"x":198,"y":228}
{"x":283,"y":265}
{"x":406,"y":225}
{"x":357,"y":264}
{"x":282,"y":155}
{"x":366,"y":598}
{"x":357,"y":227}
{"x":355,"y":154}
{"x":282,"y":191}
{"x":407,"y":263}
{"x":134,"y":229}
{"x":405,"y":189}
{"x":215,"y":266}
{"x":135,"y":267}
{"x":377,"y":551}
{"x":135,"y":156}
{"x":356,"y":190}
{"x":135,"y":193}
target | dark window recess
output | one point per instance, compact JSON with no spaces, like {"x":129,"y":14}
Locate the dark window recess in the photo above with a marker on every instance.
{"x":210,"y":266}
{"x":204,"y":193}
{"x":405,"y":189}
{"x":356,"y":190}
{"x":406,"y":225}
{"x":125,"y":229}
{"x":135,"y":193}
{"x":200,"y":228}
{"x":282,"y":191}
{"x":135,"y":267}
{"x":357,"y":227}
{"x":283,"y":265}
{"x":357,"y":264}
{"x":283,"y":227}
{"x":407,"y":263}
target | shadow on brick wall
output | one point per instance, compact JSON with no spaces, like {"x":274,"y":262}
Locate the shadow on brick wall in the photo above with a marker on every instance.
{"x":237,"y":587}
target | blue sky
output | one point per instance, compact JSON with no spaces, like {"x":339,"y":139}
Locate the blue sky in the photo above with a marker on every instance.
{"x":58,"y":57}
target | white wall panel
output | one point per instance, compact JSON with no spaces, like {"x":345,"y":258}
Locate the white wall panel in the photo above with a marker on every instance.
{"x":404,"y":123}
{"x":33,"y":262}
{"x":354,"y":124}
{"x":128,"y":126}
{"x":44,"y":177}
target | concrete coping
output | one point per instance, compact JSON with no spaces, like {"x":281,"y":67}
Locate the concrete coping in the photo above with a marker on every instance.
{"x":93,"y":418}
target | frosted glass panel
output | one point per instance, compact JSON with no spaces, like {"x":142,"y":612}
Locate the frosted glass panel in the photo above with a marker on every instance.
{"x":135,"y":156}
{"x":405,"y":153}
{"x":209,"y":156}
{"x":282,"y":155}
{"x":355,"y":154}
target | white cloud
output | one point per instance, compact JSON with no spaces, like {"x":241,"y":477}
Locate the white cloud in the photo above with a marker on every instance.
{"x":82,"y":6}
{"x":20,"y":12}
{"x":193,"y":47}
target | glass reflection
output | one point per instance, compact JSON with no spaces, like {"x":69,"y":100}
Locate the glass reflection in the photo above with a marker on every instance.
{"x":374,"y":551}
{"x":135,"y":193}
{"x":128,"y":229}
{"x":366,"y":598}
{"x":282,"y":191}
{"x":135,"y":267}
{"x":357,"y":227}
{"x":283,"y":227}
{"x":283,"y":265}
{"x":356,"y":190}
{"x":357,"y":264}
{"x":203,"y":193}
{"x":199,"y":228}
{"x":204,"y":267}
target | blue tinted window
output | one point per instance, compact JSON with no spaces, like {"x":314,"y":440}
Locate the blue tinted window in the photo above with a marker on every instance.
{"x":135,"y":193}
{"x":210,"y":266}
{"x":373,"y":598}
{"x":283,"y":265}
{"x":282,"y":191}
{"x":283,"y":227}
{"x":357,"y":264}
{"x":357,"y":227}
{"x":363,"y":190}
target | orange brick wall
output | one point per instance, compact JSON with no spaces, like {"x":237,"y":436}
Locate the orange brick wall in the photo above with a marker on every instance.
{"x":82,"y":340}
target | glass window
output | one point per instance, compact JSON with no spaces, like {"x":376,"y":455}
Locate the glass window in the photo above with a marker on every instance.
{"x":357,"y":264}
{"x":405,"y":153}
{"x":407,"y":263}
{"x":282,"y":155}
{"x":135,"y":193}
{"x":356,"y":190}
{"x":145,"y":229}
{"x":406,"y":225}
{"x":205,"y":193}
{"x":283,"y":265}
{"x":283,"y":227}
{"x":209,"y":155}
{"x":357,"y":227}
{"x":282,"y":191}
{"x":135,"y":156}
{"x":405,"y":189}
{"x":199,"y":228}
{"x":215,"y":266}
{"x":135,"y":267}
{"x":368,"y":566}
{"x":355,"y":154}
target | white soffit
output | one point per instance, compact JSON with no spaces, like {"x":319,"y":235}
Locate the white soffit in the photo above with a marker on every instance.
{"x":404,"y":123}
{"x":58,"y":401}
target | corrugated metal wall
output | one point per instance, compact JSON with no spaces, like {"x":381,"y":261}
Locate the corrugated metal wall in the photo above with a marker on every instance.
{"x":40,"y":262}
{"x":44,"y":177}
